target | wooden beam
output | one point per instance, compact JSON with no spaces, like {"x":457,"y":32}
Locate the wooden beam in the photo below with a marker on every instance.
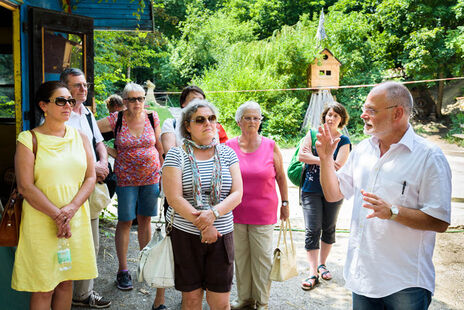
{"x":17,"y":69}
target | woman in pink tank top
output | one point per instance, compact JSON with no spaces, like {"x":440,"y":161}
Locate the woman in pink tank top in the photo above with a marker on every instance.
{"x":261,"y":166}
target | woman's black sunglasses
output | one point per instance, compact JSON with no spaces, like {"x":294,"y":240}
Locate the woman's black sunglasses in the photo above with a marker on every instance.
{"x":61,"y":102}
{"x":202,"y":119}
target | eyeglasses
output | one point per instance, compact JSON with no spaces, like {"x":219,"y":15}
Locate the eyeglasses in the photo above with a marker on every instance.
{"x":134,"y":99}
{"x":83,"y":85}
{"x":201,"y":119}
{"x":372,"y":112}
{"x":61,"y":101}
{"x":254,"y":119}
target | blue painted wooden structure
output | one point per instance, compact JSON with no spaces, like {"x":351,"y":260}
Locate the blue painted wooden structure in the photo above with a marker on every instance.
{"x":116,"y":14}
{"x":26,"y":52}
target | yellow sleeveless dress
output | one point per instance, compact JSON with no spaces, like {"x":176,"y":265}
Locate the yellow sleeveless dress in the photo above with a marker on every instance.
{"x":58,"y":172}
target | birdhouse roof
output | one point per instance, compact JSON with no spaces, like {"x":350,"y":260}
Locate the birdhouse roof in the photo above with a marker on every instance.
{"x":331,"y":54}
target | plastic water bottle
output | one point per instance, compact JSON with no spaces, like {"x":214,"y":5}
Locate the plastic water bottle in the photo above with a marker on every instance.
{"x":64,"y":254}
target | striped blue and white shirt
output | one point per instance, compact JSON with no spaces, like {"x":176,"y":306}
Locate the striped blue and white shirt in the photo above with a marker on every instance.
{"x":227,"y":156}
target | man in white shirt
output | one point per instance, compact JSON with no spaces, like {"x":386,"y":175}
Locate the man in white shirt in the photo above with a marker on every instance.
{"x":402,"y":196}
{"x":83,"y":293}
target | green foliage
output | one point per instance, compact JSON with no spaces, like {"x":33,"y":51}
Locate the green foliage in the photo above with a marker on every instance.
{"x":268,"y":44}
{"x":456,"y":127}
{"x":7,"y":107}
{"x":205,"y":38}
{"x":278,"y":62}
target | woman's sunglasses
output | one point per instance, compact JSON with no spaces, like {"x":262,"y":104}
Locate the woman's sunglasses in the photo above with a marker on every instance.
{"x":61,"y":102}
{"x":201,"y":119}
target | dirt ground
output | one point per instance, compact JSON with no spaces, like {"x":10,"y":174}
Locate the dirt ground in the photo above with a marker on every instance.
{"x":448,"y":260}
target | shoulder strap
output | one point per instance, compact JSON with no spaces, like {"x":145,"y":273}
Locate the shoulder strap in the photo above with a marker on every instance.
{"x":313,"y":140}
{"x":34,"y":143}
{"x":117,"y":127}
{"x":152,"y":120}
{"x":94,"y":141}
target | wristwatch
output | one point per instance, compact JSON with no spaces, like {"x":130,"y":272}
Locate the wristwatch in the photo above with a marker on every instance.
{"x":394,"y":212}
{"x":215,"y":212}
{"x":284,"y":203}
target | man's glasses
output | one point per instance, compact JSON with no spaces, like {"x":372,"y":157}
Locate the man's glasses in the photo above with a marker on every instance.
{"x":79,"y":85}
{"x":254,"y":119}
{"x":134,"y":99}
{"x":372,"y":112}
{"x":61,"y":101}
{"x":201,"y":119}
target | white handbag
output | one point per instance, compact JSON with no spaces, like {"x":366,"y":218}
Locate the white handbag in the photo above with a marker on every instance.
{"x":284,"y":264}
{"x":99,"y":199}
{"x":156,"y":259}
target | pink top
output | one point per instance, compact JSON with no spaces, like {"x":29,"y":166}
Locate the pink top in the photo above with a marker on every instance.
{"x":259,"y":202}
{"x":137,"y":163}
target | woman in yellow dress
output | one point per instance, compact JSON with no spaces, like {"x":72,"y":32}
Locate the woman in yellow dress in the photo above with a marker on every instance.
{"x":55,"y":184}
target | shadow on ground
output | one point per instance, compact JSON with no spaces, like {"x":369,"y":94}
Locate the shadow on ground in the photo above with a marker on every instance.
{"x":284,"y":295}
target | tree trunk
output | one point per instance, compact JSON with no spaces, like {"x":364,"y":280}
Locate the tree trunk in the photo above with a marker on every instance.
{"x":128,"y":72}
{"x":441,"y":88}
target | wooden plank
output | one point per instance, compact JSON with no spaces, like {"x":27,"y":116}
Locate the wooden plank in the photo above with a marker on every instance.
{"x":17,"y":69}
{"x":108,"y":24}
{"x":11,"y":4}
{"x":115,"y":15}
{"x":103,"y":14}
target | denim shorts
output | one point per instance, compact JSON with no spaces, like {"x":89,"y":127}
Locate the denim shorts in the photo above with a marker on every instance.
{"x":137,"y":200}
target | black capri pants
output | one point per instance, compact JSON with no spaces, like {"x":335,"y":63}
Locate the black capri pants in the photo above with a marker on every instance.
{"x":319,"y":216}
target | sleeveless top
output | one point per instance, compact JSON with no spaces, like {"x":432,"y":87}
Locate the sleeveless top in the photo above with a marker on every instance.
{"x":137,"y":163}
{"x":311,"y":182}
{"x":259,"y":202}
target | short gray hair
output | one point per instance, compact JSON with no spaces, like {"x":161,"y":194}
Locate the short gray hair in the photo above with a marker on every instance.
{"x":132,"y":87}
{"x":189,"y":110}
{"x":397,"y":94}
{"x":249,"y":105}
{"x":64,"y":76}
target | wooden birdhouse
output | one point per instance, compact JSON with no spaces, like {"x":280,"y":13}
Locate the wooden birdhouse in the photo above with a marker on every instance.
{"x":324,"y":71}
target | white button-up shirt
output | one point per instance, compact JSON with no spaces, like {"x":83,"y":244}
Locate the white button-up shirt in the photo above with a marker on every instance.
{"x":79,"y":121}
{"x":384,"y":256}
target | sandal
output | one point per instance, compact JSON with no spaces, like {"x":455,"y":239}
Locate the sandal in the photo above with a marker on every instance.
{"x":326,"y":275}
{"x":307,"y":283}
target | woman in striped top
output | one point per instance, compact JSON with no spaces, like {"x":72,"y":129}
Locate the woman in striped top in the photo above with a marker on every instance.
{"x":203,"y":184}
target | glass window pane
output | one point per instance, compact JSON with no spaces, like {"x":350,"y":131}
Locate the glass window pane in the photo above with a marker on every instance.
{"x":7,"y":105}
{"x":61,"y":51}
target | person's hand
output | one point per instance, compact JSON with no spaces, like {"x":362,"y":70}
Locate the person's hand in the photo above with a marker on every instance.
{"x":69,"y":210}
{"x":210,"y":235}
{"x":325,"y":144}
{"x":380,"y":207}
{"x":67,"y":231}
{"x":284,"y":212}
{"x":204,"y":219}
{"x":101,"y":170}
{"x":62,"y":224}
{"x":337,"y":166}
